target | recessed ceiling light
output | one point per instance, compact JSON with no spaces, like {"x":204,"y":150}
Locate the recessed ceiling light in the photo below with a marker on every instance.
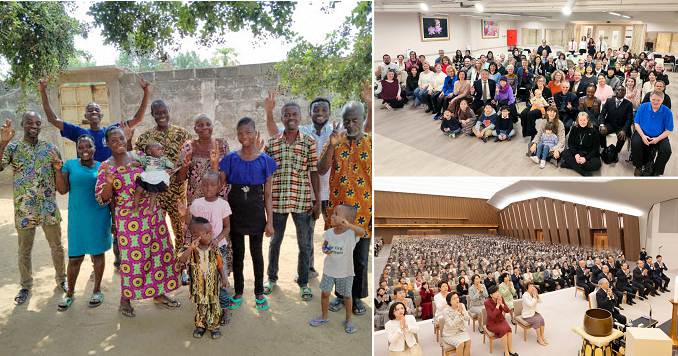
{"x":479,"y":7}
{"x":423,"y":6}
{"x":567,"y":11}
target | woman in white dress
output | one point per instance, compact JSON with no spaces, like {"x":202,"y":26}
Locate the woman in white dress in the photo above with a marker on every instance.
{"x":439,"y":300}
{"x":401,"y":331}
{"x":454,"y":329}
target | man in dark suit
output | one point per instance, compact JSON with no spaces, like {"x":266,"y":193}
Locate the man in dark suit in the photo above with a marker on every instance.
{"x":607,"y":300}
{"x":597,"y":271}
{"x":643,"y":254}
{"x":623,"y":283}
{"x":583,"y":278}
{"x":516,"y":279}
{"x":654,"y":274}
{"x":661,"y":267}
{"x":577,"y":86}
{"x":567,"y":104}
{"x":484,"y":89}
{"x":615,"y":117}
{"x":641,"y":280}
{"x":661,"y":86}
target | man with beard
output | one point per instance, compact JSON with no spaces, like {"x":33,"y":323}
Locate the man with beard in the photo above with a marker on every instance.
{"x":320,"y":130}
{"x":349,"y":157}
{"x":34,"y":197}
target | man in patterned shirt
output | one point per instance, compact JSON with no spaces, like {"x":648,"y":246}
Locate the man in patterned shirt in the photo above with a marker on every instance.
{"x":293,"y":183}
{"x":349,"y":155}
{"x":172,"y":138}
{"x":34,"y":197}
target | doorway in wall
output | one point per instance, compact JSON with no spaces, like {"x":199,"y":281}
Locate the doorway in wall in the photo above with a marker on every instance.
{"x":599,"y":239}
{"x":539,"y":233}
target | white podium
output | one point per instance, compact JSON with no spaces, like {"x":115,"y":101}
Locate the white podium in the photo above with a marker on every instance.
{"x":647,"y":341}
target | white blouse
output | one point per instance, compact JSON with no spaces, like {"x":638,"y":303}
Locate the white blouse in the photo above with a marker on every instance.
{"x":529,"y":305}
{"x":440,"y":303}
{"x":397,"y":338}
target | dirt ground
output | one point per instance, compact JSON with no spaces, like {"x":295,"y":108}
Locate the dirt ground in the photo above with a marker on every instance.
{"x":38,"y":328}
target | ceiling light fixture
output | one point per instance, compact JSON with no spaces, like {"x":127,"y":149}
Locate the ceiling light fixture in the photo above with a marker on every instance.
{"x":479,"y":7}
{"x":626,"y":16}
{"x":614,"y":13}
{"x":423,"y":6}
{"x":567,"y":10}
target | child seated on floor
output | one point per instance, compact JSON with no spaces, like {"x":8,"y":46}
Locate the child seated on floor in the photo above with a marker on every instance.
{"x":538,"y":102}
{"x":484,"y":127}
{"x":547,"y":141}
{"x":338,"y":272}
{"x":156,"y":176}
{"x":217,"y":212}
{"x":449,"y":125}
{"x":504,"y":126}
{"x":206,"y":269}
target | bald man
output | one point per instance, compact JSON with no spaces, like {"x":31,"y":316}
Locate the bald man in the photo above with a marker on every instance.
{"x":349,"y":155}
{"x":34,"y":197}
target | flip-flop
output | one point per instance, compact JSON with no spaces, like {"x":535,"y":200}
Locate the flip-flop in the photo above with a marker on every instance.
{"x":234,"y":303}
{"x":318,"y":321}
{"x":168,"y":303}
{"x":336,"y":304}
{"x":128,"y":312}
{"x":349,"y":328}
{"x":359,"y":308}
{"x":22,"y":296}
{"x":96,"y":300}
{"x":65,"y":303}
{"x":306,"y":293}
{"x":268,"y":287}
{"x":262,"y":303}
{"x":215,"y":334}
{"x":198,"y":333}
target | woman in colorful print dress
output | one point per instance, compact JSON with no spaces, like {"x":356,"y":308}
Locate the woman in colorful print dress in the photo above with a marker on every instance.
{"x":147,"y":268}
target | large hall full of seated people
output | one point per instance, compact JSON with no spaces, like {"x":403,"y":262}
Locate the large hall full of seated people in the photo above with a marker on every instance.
{"x":572,"y":101}
{"x":456,"y":280}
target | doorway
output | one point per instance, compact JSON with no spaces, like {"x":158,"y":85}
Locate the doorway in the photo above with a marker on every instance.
{"x":539,"y":233}
{"x":599,"y":239}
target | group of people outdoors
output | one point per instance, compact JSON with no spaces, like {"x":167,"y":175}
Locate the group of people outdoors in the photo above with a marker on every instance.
{"x":585,"y":96}
{"x":121,"y":192}
{"x":450,"y":279}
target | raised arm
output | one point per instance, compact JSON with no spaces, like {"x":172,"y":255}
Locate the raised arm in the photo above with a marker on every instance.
{"x":269,"y":105}
{"x":139,"y":116}
{"x":51,"y":116}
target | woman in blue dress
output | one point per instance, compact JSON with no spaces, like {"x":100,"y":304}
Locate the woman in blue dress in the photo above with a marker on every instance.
{"x":89,"y":224}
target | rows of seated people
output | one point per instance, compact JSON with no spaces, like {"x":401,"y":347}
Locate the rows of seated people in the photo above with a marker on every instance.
{"x":378,"y":244}
{"x":585,"y":97}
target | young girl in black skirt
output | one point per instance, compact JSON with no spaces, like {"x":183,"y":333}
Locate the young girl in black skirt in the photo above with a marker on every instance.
{"x":249,"y":172}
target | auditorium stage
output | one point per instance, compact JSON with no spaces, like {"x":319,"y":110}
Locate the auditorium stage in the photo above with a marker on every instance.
{"x":561,"y":311}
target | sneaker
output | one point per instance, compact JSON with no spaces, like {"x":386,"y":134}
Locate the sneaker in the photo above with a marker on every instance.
{"x":542,"y":164}
{"x":535,"y":159}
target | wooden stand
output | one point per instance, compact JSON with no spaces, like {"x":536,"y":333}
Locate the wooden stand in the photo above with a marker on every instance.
{"x":674,"y":319}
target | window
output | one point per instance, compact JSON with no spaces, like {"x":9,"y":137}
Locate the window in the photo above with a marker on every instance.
{"x":555,"y":37}
{"x":529,"y":37}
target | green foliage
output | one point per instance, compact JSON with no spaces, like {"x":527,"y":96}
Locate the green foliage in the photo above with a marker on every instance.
{"x":81,"y":59}
{"x":36,"y":40}
{"x":145,"y":28}
{"x":225,"y":57}
{"x":341,"y":65}
{"x":138,"y":63}
{"x":189,"y":60}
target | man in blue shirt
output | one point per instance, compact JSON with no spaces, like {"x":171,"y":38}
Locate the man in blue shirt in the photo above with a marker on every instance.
{"x":653,"y":124}
{"x":93,"y":115}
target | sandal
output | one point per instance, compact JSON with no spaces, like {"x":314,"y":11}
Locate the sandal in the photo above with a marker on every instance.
{"x":234,"y":303}
{"x":336,"y":304}
{"x":127,"y":311}
{"x":306,"y":294}
{"x":318,"y":321}
{"x":359,"y":307}
{"x":65,"y":303}
{"x":198,"y":333}
{"x":215,"y":334}
{"x":96,"y":300}
{"x":167,"y":303}
{"x":22,"y":296}
{"x":349,"y":328}
{"x":262,"y":302}
{"x":268,"y":287}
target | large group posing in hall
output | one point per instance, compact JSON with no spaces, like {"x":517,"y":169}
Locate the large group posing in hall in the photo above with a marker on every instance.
{"x":585,"y":96}
{"x":454,"y":279}
{"x":120,"y":191}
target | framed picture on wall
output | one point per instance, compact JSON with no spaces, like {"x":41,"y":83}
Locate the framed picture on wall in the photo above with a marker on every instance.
{"x":490,"y":29}
{"x":434,"y":28}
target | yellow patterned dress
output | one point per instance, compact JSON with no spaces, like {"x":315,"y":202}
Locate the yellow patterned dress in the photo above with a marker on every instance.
{"x":204,"y":267}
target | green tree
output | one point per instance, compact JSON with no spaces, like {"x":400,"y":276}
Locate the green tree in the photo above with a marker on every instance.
{"x":81,"y":59}
{"x":189,"y":60}
{"x":341,"y":65}
{"x":138,"y":63}
{"x":154,"y":28}
{"x":225,"y":57}
{"x":36,"y":39}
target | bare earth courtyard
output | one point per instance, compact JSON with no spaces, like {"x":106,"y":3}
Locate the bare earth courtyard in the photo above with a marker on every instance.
{"x":38,"y":328}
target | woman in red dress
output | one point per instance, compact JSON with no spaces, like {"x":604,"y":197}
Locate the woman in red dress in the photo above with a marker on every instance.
{"x":426,"y":294}
{"x":496,"y":323}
